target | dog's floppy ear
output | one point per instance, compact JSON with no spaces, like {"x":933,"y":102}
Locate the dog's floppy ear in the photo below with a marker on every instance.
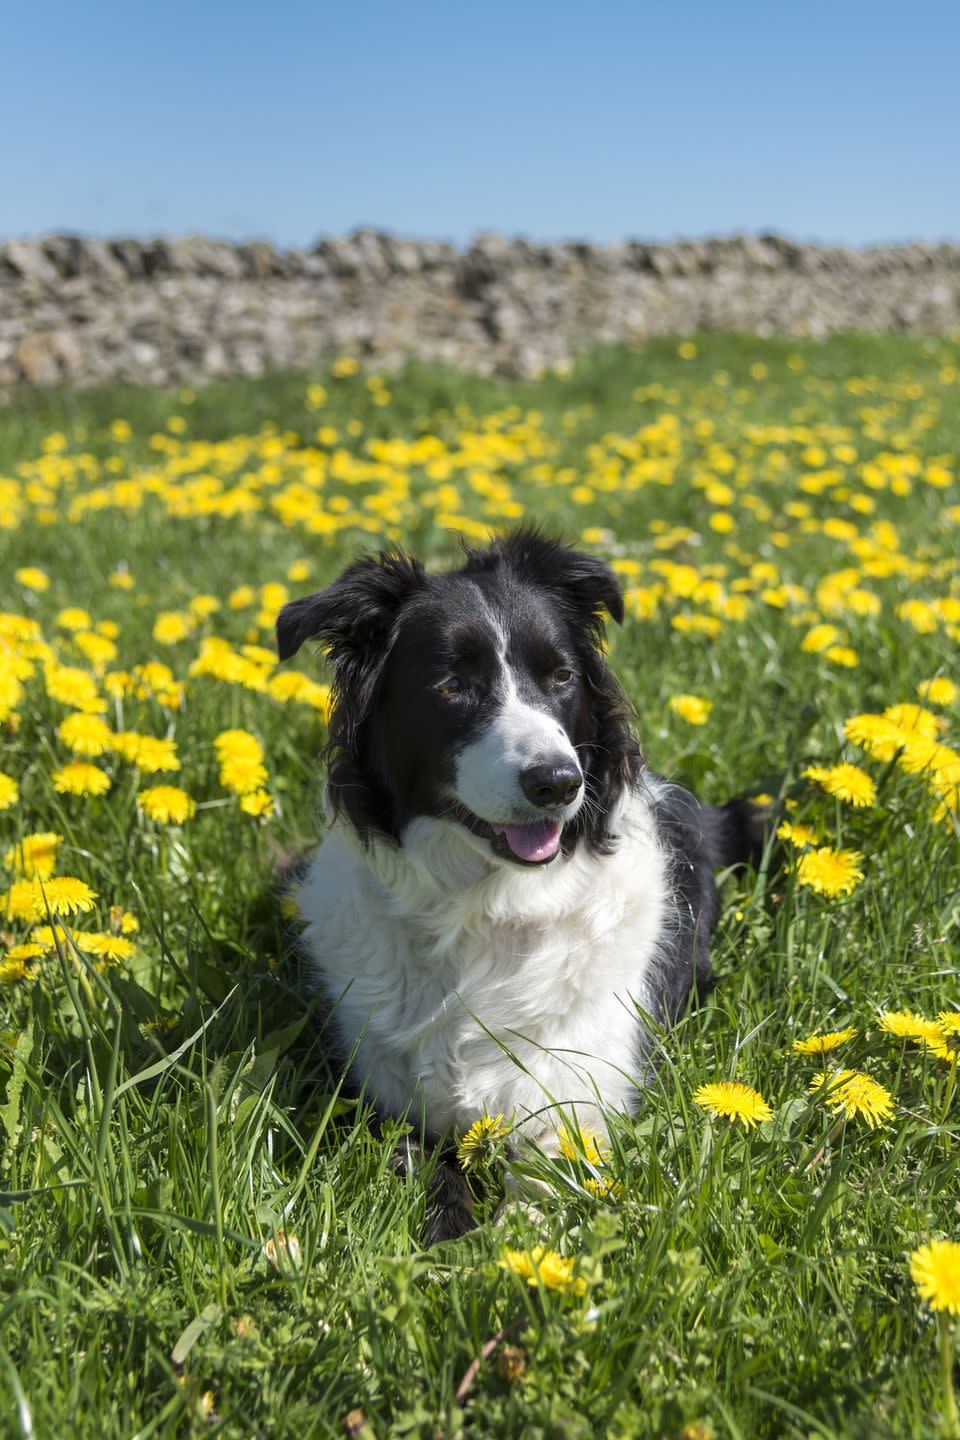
{"x":353,"y":616}
{"x":582,"y":581}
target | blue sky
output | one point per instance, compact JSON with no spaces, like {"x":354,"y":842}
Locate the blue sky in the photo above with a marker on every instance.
{"x":601,"y":121}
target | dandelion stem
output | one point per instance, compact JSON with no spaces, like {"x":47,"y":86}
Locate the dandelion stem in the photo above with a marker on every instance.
{"x":951,"y":1417}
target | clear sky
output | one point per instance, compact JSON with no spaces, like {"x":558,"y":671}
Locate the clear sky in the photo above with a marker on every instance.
{"x":287,"y":120}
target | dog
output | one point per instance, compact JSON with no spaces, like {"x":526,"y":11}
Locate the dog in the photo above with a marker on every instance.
{"x":508,"y":904}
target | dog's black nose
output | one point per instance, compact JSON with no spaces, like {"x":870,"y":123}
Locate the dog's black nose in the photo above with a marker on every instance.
{"x":551,"y":784}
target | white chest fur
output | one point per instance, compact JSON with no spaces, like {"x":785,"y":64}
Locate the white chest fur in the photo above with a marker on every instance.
{"x":476,"y":986}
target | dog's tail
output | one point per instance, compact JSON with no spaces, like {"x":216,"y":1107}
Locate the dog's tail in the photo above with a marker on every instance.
{"x":737,"y":833}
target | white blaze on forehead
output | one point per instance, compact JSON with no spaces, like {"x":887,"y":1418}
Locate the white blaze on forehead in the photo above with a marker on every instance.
{"x":488,"y":771}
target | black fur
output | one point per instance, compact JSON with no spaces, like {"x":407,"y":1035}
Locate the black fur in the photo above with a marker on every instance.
{"x":390,"y":629}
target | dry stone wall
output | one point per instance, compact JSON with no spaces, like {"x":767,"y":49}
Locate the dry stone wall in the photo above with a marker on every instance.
{"x":180,"y":310}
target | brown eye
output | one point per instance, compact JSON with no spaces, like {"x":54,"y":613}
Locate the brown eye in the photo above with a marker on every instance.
{"x":563,"y":675}
{"x":450,"y":686}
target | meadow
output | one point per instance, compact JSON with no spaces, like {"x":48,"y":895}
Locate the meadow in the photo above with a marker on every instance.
{"x":200,"y":1227}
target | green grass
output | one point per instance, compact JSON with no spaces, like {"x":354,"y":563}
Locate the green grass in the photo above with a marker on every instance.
{"x":164,"y":1118}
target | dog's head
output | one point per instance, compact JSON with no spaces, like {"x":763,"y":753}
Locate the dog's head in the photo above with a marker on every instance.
{"x":479,"y":697}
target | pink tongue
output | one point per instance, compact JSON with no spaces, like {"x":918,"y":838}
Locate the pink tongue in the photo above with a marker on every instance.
{"x":533,"y":842}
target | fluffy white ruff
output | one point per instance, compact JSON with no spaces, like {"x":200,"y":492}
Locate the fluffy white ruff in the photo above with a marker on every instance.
{"x":474,"y":985}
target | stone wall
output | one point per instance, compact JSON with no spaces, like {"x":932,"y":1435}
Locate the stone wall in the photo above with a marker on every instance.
{"x":170,"y":311}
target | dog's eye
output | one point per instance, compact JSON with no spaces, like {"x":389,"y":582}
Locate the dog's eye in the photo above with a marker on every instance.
{"x":562,"y":675}
{"x":451,"y":686}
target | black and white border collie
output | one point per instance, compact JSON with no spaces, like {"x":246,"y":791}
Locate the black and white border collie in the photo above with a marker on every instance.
{"x":505,"y":891}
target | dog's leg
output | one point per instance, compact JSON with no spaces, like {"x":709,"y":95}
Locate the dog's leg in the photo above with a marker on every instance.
{"x":450,"y":1208}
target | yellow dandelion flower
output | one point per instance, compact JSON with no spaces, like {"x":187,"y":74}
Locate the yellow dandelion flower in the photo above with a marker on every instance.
{"x":81,"y":779}
{"x":172,"y":626}
{"x":23,"y":901}
{"x":820,"y":1044}
{"x":913,"y":719}
{"x":842,"y":655}
{"x":905,"y":1025}
{"x":938,"y":691}
{"x":935,"y":1270}
{"x":259,"y":804}
{"x":167,"y":805}
{"x":73,"y":687}
{"x":734,"y":1101}
{"x":29,"y":950}
{"x":237,"y":745}
{"x":14,"y":971}
{"x":603,"y":1189}
{"x":30,"y":900}
{"x":242,"y":776}
{"x":692,"y":708}
{"x":830,"y":872}
{"x":67,"y":896}
{"x":112,"y":948}
{"x":73,"y":618}
{"x":880,"y":737}
{"x":847,"y":783}
{"x":35,"y":856}
{"x":477,"y":1146}
{"x":796,"y":834}
{"x":947,"y":1042}
{"x":9,"y":794}
{"x":818,"y":638}
{"x":151,"y":755}
{"x":541,"y":1266}
{"x":32,"y":578}
{"x":584,"y":1143}
{"x":856,"y":1095}
{"x":86,"y":734}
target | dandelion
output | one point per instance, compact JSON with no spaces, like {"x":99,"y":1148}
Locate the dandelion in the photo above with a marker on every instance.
{"x":692,"y":708}
{"x":880,"y":737}
{"x":602,"y":1189}
{"x":9,"y":794}
{"x":35,"y":856}
{"x":86,"y":734}
{"x":906,"y":1025}
{"x":795,"y":834}
{"x":938,"y":691}
{"x":820,"y":1044}
{"x":258,"y":803}
{"x":15,"y":971}
{"x":151,"y":755}
{"x":30,"y":900}
{"x":583,"y":1143}
{"x":830,"y":873}
{"x":847,"y":783}
{"x":541,"y":1266}
{"x":30,"y":950}
{"x":935,"y":1270}
{"x":914,"y":720}
{"x":242,"y":776}
{"x":856,"y":1095}
{"x":283,"y":1251}
{"x":478,"y":1145}
{"x":111,"y":948}
{"x":32,"y":578}
{"x":946,"y":1045}
{"x":734,"y":1101}
{"x":167,"y":805}
{"x":81,"y":779}
{"x":819,"y":638}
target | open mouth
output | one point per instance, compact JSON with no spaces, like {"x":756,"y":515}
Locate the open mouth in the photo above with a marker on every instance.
{"x":534,"y":844}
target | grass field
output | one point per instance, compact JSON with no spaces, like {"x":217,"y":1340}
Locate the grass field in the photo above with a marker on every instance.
{"x":198,"y":1229}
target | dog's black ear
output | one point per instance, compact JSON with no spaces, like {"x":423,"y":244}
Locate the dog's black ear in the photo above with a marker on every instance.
{"x":585,"y":583}
{"x":354,"y":615}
